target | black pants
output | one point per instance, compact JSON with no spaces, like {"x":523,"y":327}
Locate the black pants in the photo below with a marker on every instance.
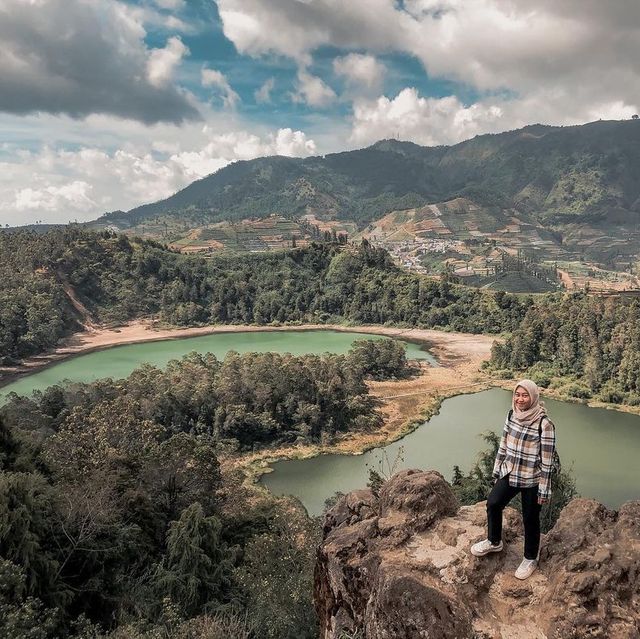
{"x":501,"y":494}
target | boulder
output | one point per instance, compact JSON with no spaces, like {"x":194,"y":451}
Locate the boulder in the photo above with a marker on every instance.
{"x":397,"y":566}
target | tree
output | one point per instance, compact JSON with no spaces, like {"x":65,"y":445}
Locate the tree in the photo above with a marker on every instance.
{"x":380,"y":359}
{"x":109,"y":433}
{"x":87,"y":509}
{"x":183,"y":470}
{"x":276,"y":577}
{"x":27,"y":504}
{"x":9,"y":447}
{"x":196,"y":569}
{"x":22,"y":616}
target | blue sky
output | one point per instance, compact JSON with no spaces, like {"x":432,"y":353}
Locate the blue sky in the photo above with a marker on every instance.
{"x":210,"y":48}
{"x":141,"y":97}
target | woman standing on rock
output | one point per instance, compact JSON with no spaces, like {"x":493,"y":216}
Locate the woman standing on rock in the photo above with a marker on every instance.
{"x":523,"y":465}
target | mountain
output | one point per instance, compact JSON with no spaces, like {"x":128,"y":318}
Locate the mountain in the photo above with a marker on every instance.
{"x":558,"y":175}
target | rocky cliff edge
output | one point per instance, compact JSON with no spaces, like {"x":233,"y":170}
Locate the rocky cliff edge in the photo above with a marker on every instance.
{"x":398,"y":566}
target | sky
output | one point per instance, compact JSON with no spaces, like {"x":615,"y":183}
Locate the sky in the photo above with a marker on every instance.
{"x":108,"y":104}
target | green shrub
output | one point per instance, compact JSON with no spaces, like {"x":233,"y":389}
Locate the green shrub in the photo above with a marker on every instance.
{"x":220,"y":626}
{"x":563,"y":490}
{"x":611,"y":395}
{"x":579,"y":391}
{"x":541,"y":379}
{"x":541,"y":373}
{"x":276,"y":576}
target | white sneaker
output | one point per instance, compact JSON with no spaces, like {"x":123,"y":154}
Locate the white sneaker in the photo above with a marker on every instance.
{"x":526,"y":568}
{"x":484,"y":547}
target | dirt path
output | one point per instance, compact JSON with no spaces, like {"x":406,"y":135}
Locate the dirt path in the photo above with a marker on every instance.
{"x":87,"y":320}
{"x":566,"y":280}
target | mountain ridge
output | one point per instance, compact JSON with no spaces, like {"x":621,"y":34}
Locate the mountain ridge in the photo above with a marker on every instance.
{"x":557,"y":174}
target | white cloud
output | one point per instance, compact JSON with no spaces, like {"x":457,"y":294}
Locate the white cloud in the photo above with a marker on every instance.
{"x":434,"y":121}
{"x":159,"y":18}
{"x":489,"y":43}
{"x":295,"y":28}
{"x":78,"y":57}
{"x":292,"y":143}
{"x":360,"y":71}
{"x":57,"y":185}
{"x":263,"y":94}
{"x":429,"y":121}
{"x":312,"y":90}
{"x":582,"y":52}
{"x":162,"y":63}
{"x":242,"y":145}
{"x":72,"y":196}
{"x":216,"y":79}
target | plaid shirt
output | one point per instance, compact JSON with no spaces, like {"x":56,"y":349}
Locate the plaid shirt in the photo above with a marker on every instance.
{"x":524,"y":458}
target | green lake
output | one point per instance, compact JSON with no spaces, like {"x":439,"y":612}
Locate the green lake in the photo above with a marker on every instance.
{"x":601,"y":445}
{"x":119,"y":361}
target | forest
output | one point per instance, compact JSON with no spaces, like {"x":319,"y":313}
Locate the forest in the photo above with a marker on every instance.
{"x":118,"y":279}
{"x":118,"y":515}
{"x":583,"y":345}
{"x":121,"y":515}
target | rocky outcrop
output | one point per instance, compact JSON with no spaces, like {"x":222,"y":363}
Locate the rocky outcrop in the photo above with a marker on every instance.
{"x":398,"y":566}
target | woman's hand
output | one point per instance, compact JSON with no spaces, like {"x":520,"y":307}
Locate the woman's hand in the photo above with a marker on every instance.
{"x":542,"y":500}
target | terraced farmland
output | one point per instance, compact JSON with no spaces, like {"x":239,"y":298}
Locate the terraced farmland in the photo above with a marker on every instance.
{"x":265,"y":234}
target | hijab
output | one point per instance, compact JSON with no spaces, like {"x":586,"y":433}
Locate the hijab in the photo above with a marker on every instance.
{"x":535,"y":411}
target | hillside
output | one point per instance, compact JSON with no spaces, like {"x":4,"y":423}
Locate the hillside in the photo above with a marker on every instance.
{"x":514,"y":282}
{"x":48,"y":282}
{"x":273,"y":232}
{"x":557,"y":175}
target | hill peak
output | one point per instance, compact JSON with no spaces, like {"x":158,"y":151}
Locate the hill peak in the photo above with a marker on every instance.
{"x":391,"y":144}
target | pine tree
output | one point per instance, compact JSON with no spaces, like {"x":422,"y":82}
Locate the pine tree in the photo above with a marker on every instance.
{"x":195,"y":572}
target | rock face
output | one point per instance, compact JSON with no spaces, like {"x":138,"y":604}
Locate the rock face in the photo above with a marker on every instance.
{"x":398,"y":566}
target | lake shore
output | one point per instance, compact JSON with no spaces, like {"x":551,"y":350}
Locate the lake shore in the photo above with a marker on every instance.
{"x":413,"y":403}
{"x":404,"y":404}
{"x":446,"y":347}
